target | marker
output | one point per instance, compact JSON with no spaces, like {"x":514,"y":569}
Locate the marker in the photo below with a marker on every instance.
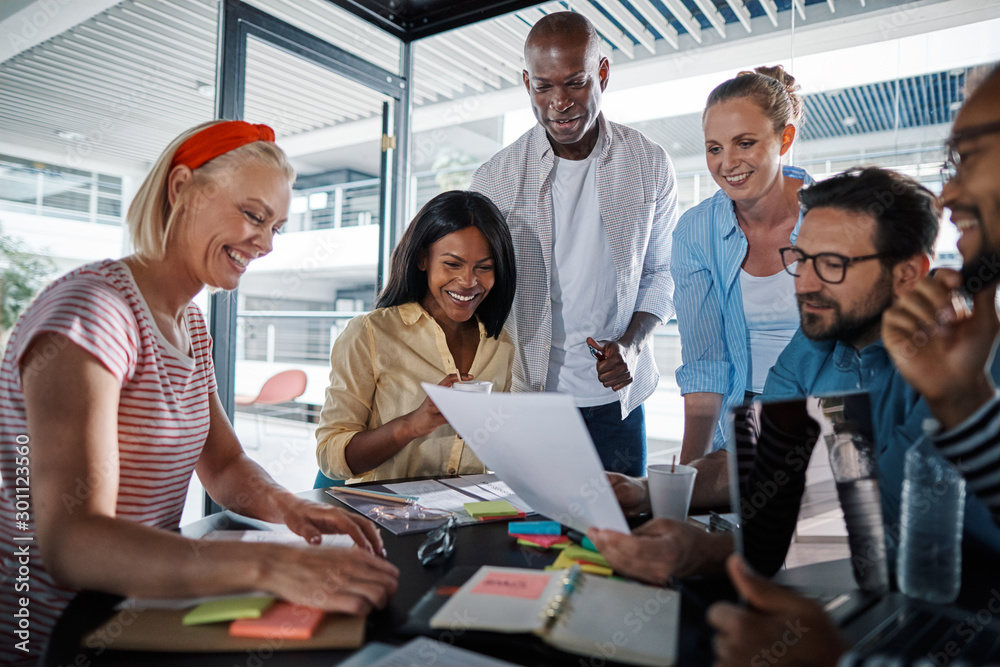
{"x":580,"y":538}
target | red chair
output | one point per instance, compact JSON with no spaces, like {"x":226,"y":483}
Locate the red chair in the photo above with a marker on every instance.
{"x":279,"y":388}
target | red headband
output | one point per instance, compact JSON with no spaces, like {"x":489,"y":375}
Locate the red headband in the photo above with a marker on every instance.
{"x":217,"y":139}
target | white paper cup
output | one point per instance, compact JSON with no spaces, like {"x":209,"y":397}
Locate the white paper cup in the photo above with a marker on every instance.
{"x":670,"y":492}
{"x":481,"y":386}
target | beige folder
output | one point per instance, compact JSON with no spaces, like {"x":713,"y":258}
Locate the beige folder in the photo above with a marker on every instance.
{"x":161,"y":630}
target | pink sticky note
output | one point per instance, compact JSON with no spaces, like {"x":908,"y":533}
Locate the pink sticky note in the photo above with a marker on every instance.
{"x":513,"y":584}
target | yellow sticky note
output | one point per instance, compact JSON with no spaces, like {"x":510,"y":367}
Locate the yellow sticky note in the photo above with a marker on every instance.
{"x":491,"y":508}
{"x":227,"y":609}
{"x":590,"y":568}
{"x":577,"y":552}
{"x":563,"y":561}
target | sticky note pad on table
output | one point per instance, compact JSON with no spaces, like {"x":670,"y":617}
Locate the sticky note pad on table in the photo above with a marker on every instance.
{"x":562,"y":562}
{"x":579,"y":553}
{"x":515,"y":584}
{"x":543,"y":541}
{"x":283,"y":620}
{"x":228,"y":609}
{"x":534,"y":528}
{"x":490,"y":508}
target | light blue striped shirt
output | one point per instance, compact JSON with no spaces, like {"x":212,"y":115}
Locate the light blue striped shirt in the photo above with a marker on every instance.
{"x":708,"y":250}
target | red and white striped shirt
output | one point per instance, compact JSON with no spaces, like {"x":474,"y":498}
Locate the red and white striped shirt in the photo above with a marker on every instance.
{"x":163,"y":420}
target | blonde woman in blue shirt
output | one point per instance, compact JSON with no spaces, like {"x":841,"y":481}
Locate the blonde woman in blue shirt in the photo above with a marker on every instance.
{"x":736,"y":307}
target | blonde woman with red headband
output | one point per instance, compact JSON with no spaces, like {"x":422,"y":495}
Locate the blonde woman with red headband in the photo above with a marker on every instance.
{"x":108,"y":403}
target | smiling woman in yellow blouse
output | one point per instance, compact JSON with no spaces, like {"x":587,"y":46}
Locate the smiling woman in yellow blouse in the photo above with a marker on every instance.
{"x":442,"y":313}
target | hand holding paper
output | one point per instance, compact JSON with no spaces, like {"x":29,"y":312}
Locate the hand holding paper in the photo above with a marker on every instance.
{"x":539,"y":445}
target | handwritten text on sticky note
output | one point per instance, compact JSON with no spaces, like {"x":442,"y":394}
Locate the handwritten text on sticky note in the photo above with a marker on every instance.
{"x":513,"y":584}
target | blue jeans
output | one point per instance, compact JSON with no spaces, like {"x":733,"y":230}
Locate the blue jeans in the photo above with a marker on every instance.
{"x":621,"y":443}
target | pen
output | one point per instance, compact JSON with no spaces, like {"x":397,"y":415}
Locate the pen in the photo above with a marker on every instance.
{"x":376,"y":495}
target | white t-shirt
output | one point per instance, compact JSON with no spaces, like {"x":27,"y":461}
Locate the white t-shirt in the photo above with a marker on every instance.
{"x":584,"y":299}
{"x":772,"y":317}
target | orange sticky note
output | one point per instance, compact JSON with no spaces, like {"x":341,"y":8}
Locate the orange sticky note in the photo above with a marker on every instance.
{"x":283,"y":620}
{"x":513,"y":584}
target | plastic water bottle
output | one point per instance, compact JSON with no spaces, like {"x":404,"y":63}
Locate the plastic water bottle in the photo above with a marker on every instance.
{"x":929,"y":562}
{"x":852,"y":460}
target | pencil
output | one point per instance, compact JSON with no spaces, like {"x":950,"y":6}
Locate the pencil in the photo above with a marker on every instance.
{"x":376,"y":495}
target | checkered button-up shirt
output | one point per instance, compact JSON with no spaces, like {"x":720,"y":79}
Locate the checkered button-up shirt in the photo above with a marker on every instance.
{"x":637,"y":195}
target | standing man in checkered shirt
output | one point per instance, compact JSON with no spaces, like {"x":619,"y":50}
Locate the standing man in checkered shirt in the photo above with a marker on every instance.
{"x":591,"y":207}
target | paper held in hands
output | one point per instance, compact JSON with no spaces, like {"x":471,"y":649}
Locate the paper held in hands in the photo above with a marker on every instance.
{"x":539,"y":445}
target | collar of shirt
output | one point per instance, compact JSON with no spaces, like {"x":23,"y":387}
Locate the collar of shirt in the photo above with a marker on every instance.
{"x":412,"y":312}
{"x":541,"y":148}
{"x":726,"y":214}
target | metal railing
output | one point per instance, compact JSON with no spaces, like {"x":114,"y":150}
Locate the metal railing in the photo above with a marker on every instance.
{"x":59,"y":192}
{"x":306,"y":337}
{"x":352,"y":204}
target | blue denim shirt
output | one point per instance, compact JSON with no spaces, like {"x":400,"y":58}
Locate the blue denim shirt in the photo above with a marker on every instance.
{"x":810,"y":368}
{"x":709,"y":248}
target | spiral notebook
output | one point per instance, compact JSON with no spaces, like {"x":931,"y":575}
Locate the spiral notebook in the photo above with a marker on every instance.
{"x":597,"y":617}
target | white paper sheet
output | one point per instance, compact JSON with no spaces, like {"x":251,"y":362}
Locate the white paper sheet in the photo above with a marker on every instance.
{"x":433,"y":495}
{"x":537,"y":444}
{"x":280,"y":537}
{"x":424,"y":651}
{"x":489,"y":487}
{"x":475,"y":489}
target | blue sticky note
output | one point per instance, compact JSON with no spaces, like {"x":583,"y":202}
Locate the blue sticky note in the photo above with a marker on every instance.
{"x":534,"y":528}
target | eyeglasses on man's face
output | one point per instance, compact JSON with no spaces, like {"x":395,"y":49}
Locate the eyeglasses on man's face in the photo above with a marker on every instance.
{"x":830,"y":267}
{"x":953,"y":160}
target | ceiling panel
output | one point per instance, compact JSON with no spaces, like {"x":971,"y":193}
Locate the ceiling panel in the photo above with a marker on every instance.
{"x":121,"y":84}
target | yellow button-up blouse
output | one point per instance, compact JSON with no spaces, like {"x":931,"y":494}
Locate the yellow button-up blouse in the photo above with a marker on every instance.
{"x":376,"y":367}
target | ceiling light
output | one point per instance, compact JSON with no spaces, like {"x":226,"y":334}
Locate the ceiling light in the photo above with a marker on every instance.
{"x":205,"y":90}
{"x":848,"y":121}
{"x":69,"y":135}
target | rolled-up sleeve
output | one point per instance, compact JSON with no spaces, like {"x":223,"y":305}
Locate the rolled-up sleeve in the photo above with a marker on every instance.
{"x":350,"y":396}
{"x":656,"y":284}
{"x":705,"y":363}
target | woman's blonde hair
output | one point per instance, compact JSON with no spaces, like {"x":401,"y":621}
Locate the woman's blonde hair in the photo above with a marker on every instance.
{"x":151,"y":217}
{"x":772,"y":88}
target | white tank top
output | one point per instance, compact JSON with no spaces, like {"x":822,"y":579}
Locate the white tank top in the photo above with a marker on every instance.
{"x":772,"y":317}
{"x":584,"y":284}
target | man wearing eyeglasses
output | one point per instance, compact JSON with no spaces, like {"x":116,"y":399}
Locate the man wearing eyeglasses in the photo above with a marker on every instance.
{"x":943,"y":350}
{"x":942,"y":347}
{"x":939,"y":346}
{"x":864,"y":243}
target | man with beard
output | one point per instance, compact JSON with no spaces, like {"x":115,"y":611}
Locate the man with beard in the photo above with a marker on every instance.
{"x":865,"y":242}
{"x":943,"y":350}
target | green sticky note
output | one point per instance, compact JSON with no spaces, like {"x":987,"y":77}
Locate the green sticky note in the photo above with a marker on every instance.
{"x":229,"y":609}
{"x":579,"y":553}
{"x":491,"y":508}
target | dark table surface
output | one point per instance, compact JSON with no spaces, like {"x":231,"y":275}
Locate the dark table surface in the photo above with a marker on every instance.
{"x":476,"y":545}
